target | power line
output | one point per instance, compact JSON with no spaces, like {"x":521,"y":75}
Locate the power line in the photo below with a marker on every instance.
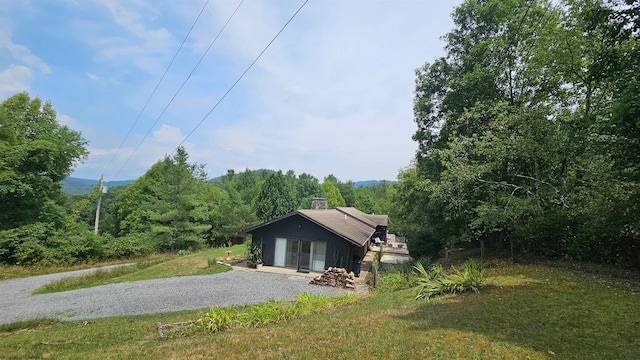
{"x":157,"y":85}
{"x":242,"y":75}
{"x":179,"y":89}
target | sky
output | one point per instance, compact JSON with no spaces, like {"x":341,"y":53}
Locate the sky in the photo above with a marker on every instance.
{"x":333,"y":94}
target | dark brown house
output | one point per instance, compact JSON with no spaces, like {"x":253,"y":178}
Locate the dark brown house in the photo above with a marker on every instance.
{"x":313,"y":240}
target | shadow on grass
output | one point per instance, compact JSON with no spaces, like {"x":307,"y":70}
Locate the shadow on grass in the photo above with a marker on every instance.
{"x":551,"y":311}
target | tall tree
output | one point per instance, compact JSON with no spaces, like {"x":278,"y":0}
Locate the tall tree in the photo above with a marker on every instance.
{"x":348,"y":192}
{"x":276,"y":197}
{"x":306,"y":187}
{"x":168,"y":202}
{"x":516,"y":130}
{"x":37,"y":153}
{"x":332,"y":194}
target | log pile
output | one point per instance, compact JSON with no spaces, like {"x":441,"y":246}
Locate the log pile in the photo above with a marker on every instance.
{"x":337,"y":277}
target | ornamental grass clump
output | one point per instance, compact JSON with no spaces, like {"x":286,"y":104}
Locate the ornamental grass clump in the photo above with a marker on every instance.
{"x":435,"y":281}
{"x":220,"y":319}
{"x":215,"y":320}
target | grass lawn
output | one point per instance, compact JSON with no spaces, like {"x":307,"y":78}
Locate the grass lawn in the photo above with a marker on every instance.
{"x":16,"y":271}
{"x":183,"y":265}
{"x":524,"y":312}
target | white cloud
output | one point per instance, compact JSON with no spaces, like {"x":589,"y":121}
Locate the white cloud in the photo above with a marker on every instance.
{"x":334,"y":92}
{"x":168,"y":134}
{"x":132,"y":39}
{"x":66,"y":120}
{"x":14,"y":79}
{"x":20,"y":53}
{"x":92,"y":76}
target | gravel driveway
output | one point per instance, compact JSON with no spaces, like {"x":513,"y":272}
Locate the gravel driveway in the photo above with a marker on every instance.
{"x":151,"y":296}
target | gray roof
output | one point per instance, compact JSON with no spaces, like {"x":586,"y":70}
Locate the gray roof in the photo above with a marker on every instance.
{"x":347,"y":222}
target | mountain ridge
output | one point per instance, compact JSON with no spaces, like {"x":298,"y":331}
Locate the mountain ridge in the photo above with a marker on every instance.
{"x":78,"y":186}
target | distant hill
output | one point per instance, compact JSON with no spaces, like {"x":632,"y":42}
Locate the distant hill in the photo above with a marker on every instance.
{"x":367,"y":183}
{"x":219,"y":178}
{"x":78,"y":186}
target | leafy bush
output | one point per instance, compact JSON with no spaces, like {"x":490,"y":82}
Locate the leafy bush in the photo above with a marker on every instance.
{"x":24,"y":245}
{"x":435,"y":282}
{"x":393,"y":282}
{"x":129,"y":246}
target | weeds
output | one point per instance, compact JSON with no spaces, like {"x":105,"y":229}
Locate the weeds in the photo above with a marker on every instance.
{"x":219,"y":319}
{"x":394,"y":281}
{"x":434,"y":282}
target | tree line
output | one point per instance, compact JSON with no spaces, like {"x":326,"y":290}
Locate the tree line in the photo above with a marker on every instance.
{"x":172,"y":207}
{"x":528,"y":136}
{"x":529,"y":132}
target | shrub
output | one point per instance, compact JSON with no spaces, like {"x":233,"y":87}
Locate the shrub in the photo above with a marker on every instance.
{"x":435,"y":282}
{"x":24,"y":245}
{"x":215,"y":320}
{"x":393,"y":282}
{"x":129,"y":246}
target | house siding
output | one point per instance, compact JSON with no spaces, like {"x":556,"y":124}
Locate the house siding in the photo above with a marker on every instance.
{"x":340,"y":252}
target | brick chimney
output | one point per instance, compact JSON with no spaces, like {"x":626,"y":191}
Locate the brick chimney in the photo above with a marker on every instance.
{"x":319,"y":204}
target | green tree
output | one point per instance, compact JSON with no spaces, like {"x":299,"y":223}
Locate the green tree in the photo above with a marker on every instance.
{"x":168,"y":202}
{"x":518,"y":134}
{"x":348,"y":192}
{"x":365,"y":201}
{"x":307,"y":188}
{"x":37,"y":153}
{"x":229,"y":214}
{"x":276,"y":197}
{"x":332,"y":194}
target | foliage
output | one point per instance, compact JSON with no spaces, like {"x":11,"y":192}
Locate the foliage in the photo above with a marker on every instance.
{"x":307,"y":188}
{"x":332,"y":194}
{"x":169,"y":202}
{"x":129,"y":246}
{"x":435,"y":281}
{"x":37,"y":153}
{"x":42,"y":244}
{"x":520,"y":133}
{"x":254,"y":253}
{"x":214,"y":320}
{"x":219,"y":319}
{"x":276,"y":197}
{"x":394,"y":281}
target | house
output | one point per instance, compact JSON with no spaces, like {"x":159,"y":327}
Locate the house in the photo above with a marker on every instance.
{"x":316,"y":239}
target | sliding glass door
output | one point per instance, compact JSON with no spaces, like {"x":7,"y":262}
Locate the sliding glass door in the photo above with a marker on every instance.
{"x":305,"y":256}
{"x":292,"y":253}
{"x":300,"y":255}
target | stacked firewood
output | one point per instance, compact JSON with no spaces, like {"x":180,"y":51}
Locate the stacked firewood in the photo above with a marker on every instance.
{"x":337,"y":277}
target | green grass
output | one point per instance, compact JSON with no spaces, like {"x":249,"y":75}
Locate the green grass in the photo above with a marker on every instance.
{"x":184,"y":265}
{"x":16,"y":271}
{"x":523,"y":312}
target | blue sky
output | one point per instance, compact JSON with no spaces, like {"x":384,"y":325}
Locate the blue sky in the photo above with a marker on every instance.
{"x":332,"y":95}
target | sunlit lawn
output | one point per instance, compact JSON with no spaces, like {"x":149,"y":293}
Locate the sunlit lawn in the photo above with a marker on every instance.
{"x":524,"y":312}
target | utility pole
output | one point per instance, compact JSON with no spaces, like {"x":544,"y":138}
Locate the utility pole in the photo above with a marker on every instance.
{"x":102,"y":189}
